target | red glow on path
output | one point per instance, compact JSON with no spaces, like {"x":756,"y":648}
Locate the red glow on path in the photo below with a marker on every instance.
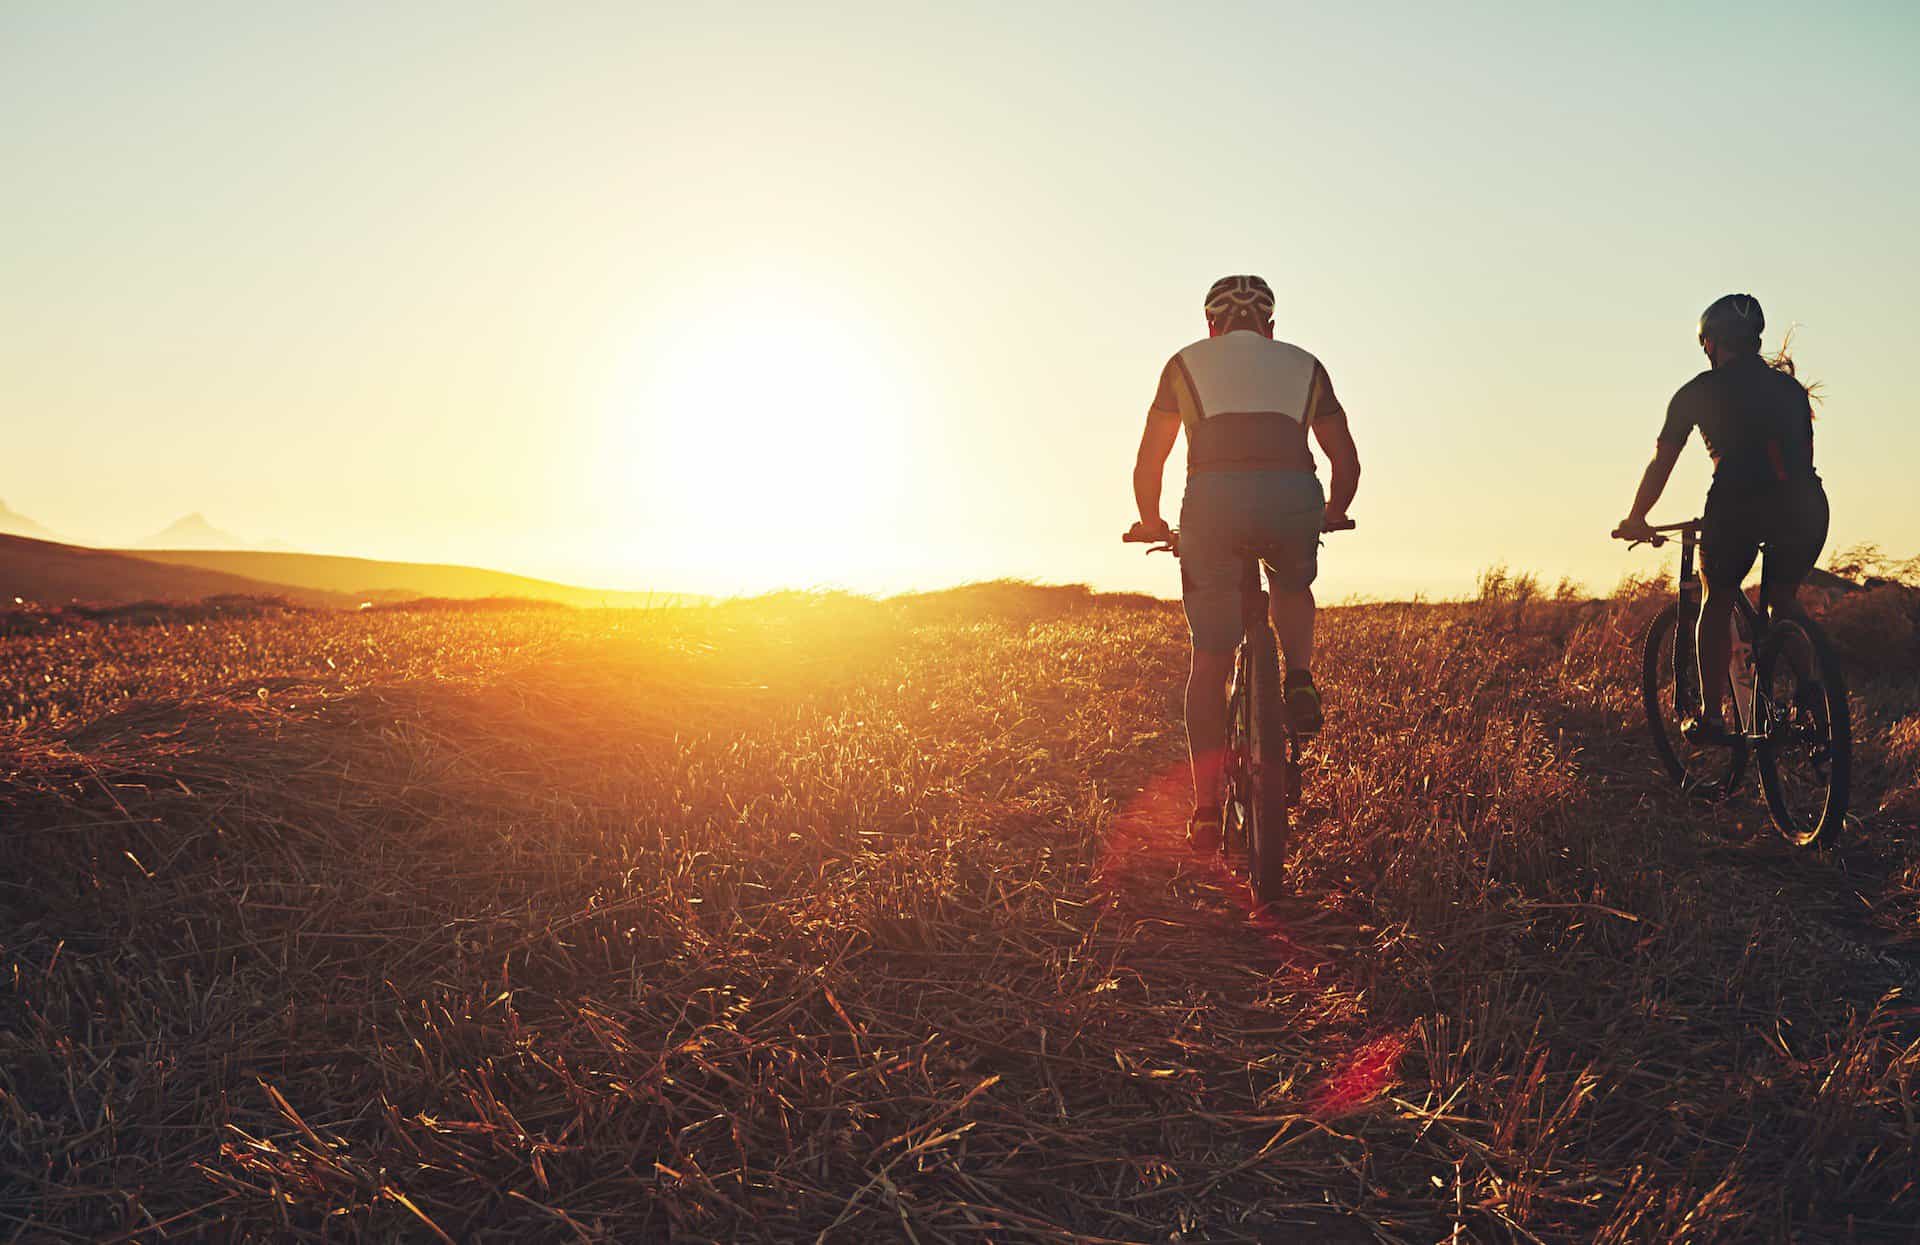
{"x":1145,"y":855}
{"x":1144,"y":819}
{"x":1145,"y":852}
{"x":1363,"y":1077}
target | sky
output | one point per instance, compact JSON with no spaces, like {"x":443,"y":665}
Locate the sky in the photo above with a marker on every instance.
{"x":722,"y":298}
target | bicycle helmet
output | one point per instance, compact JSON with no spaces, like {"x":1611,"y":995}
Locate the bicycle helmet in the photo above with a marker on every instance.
{"x":1239,"y":298}
{"x":1732,"y":318}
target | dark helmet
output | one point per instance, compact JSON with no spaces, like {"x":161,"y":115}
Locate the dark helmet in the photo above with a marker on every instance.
{"x":1731,"y":318}
{"x":1238,"y":297}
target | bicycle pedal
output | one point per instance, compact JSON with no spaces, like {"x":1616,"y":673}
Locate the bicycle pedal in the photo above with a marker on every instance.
{"x":1703,"y":733}
{"x":1707,"y":790}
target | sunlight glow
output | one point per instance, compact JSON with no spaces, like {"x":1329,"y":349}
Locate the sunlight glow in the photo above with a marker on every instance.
{"x":765,"y":454}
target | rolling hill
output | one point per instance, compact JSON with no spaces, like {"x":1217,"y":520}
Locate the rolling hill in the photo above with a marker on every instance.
{"x":367,"y":579}
{"x":53,"y":574}
{"x":50,"y":573}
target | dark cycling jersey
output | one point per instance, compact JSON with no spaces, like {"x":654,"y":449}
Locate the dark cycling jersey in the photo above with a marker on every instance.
{"x":1755,"y":419}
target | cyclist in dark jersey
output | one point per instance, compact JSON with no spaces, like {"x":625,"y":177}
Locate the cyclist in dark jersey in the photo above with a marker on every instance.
{"x":1757,"y":422}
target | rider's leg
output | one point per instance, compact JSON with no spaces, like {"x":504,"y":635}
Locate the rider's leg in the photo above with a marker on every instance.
{"x":1809,"y":695}
{"x":1731,"y":528}
{"x":1293,"y":614}
{"x":1799,"y":534}
{"x":1291,"y":571}
{"x":1210,"y":588}
{"x":1785,"y":603}
{"x":1715,"y":648}
{"x":1207,"y":724}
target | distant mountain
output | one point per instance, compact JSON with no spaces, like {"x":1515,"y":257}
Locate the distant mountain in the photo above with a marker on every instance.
{"x":192,"y":532}
{"x":13,"y":523}
{"x":52,"y":574}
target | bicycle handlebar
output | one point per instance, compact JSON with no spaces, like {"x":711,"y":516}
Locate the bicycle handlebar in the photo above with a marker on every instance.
{"x":1657,"y":539}
{"x":1171,"y":542}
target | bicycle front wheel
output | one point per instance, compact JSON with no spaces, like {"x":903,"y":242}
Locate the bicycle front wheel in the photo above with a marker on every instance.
{"x":1806,"y":761}
{"x":1670,"y":690}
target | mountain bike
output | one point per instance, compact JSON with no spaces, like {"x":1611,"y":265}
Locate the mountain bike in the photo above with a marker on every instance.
{"x":1266,"y":761}
{"x":1789,"y":702}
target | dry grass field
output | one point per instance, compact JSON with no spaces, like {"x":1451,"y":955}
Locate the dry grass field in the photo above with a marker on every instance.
{"x":821,"y":918}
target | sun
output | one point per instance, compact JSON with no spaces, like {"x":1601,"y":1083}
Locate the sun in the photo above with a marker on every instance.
{"x":765,"y":450}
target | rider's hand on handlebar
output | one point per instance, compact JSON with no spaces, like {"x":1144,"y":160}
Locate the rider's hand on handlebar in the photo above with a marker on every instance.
{"x":1635,"y":530}
{"x":1336,"y":522}
{"x":1143,"y":533}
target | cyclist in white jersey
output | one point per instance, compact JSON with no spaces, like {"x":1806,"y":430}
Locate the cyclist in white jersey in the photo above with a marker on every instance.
{"x":1247,"y":403}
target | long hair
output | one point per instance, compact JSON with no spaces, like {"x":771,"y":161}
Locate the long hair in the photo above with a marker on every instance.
{"x":1781,"y":360}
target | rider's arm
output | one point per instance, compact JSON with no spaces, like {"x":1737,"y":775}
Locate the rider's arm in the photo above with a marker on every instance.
{"x":1328,"y":419}
{"x":1666,"y":451}
{"x":1653,"y":481}
{"x":1156,"y":442}
{"x":1336,"y":442}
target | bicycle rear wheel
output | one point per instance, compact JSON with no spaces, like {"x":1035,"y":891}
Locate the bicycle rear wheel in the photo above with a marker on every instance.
{"x":1806,"y":763}
{"x":1669,"y":690}
{"x":1262,"y":741}
{"x":1235,"y":810}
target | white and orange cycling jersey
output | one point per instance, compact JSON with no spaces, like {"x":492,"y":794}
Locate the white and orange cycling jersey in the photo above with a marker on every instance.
{"x":1246,"y":402}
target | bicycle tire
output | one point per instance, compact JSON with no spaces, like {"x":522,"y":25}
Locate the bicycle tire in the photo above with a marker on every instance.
{"x":1823,"y":830}
{"x":1663,"y":720}
{"x":1268,"y":829}
{"x":1233,"y":829}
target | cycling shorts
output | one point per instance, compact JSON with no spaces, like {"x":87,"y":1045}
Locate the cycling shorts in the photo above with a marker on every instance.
{"x":1277,"y":512}
{"x":1789,"y":517}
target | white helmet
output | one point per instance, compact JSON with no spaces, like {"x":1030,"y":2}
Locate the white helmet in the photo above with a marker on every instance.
{"x":1239,"y":298}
